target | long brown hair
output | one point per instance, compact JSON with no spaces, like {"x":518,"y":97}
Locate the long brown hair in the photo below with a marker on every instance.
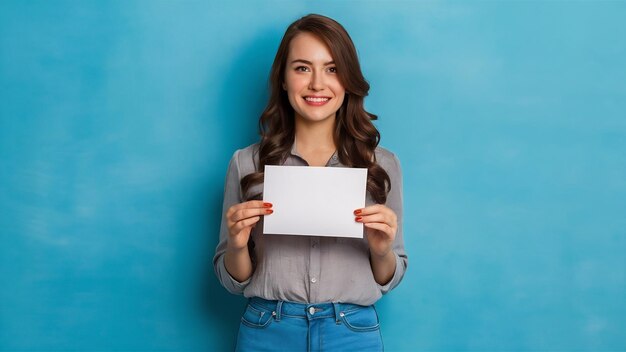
{"x":355,"y":135}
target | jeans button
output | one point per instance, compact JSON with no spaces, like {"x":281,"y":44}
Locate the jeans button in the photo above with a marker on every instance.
{"x":311,"y":310}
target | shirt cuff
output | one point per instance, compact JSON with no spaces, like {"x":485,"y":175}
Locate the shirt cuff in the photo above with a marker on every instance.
{"x":396,"y":276}
{"x":232,"y":285}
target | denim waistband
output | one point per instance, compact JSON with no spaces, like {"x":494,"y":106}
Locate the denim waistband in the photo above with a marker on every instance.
{"x":304,"y":310}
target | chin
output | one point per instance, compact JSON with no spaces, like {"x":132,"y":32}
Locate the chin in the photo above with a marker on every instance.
{"x":315,"y":118}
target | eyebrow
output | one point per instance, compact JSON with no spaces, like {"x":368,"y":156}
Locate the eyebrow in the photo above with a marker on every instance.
{"x":310,"y":63}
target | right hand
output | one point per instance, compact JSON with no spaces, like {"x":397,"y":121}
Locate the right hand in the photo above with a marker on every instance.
{"x":241,"y":218}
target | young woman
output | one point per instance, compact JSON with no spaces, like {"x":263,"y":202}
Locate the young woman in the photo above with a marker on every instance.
{"x":309,"y":292}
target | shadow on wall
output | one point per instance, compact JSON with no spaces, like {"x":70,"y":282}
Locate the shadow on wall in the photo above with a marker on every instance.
{"x":243,"y":96}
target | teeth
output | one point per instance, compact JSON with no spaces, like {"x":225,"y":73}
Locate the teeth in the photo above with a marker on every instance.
{"x":316,"y":100}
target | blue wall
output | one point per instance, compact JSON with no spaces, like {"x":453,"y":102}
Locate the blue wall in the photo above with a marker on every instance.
{"x":118,"y":119}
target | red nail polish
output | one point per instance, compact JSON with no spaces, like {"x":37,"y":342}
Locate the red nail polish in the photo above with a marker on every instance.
{"x":267,"y":205}
{"x":269,"y":211}
{"x":358,"y":218}
{"x":357,"y":212}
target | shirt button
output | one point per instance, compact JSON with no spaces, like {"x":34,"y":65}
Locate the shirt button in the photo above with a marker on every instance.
{"x":313,"y":280}
{"x":311,"y":310}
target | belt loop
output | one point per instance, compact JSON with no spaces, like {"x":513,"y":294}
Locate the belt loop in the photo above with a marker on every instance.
{"x":337,"y":313}
{"x":279,"y":308}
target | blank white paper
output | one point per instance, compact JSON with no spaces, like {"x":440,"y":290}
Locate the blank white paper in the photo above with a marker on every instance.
{"x":314,"y":201}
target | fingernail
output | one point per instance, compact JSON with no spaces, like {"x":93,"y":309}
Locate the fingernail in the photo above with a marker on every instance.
{"x":269,"y":211}
{"x":358,"y":218}
{"x":267,"y":205}
{"x":357,"y":212}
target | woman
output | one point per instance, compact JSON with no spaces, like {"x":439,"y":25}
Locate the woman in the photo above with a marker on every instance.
{"x":309,"y":292}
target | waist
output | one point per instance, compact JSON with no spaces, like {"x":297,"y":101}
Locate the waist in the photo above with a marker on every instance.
{"x":307,"y":310}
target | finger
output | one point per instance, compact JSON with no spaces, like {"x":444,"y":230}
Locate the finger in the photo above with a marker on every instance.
{"x":372,"y":209}
{"x":390,"y":215}
{"x":381,"y":227}
{"x":242,"y":214}
{"x":249,"y":205}
{"x":240,"y":225}
{"x":378,"y":217}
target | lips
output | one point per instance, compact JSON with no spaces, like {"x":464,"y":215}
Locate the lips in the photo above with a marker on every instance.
{"x":316,"y":101}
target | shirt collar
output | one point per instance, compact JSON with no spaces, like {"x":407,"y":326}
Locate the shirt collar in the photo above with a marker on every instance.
{"x":333,"y":161}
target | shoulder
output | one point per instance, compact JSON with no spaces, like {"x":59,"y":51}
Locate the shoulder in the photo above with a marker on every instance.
{"x":248,"y":152}
{"x":387,"y":160}
{"x":246,"y":159}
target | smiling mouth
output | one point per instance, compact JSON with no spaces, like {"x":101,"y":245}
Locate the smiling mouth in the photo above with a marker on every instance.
{"x":316,"y":100}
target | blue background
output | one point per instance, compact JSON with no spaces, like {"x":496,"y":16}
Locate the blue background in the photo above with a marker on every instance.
{"x":118,"y":119}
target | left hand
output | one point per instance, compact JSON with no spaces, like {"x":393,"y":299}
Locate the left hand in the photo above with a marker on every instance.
{"x":381,"y":225}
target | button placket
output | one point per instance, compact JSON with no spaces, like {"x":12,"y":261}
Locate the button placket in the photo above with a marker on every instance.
{"x":314,"y":268}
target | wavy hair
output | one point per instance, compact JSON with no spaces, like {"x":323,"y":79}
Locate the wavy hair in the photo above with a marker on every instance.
{"x":355,"y":136}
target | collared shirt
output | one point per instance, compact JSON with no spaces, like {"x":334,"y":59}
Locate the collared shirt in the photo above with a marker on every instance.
{"x":309,"y":269}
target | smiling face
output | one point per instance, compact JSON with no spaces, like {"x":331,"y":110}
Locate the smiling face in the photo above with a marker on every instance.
{"x":311,"y":80}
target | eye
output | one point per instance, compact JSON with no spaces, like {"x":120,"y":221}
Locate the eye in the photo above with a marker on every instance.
{"x":332,"y":69}
{"x":302,"y":68}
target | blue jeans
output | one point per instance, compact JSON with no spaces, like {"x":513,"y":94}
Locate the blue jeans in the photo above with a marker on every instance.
{"x":278,"y":325}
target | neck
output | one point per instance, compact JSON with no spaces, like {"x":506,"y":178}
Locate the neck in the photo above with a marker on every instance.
{"x":315,"y":135}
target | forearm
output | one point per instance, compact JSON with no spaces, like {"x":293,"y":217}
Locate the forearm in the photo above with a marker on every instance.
{"x":238,"y":263}
{"x":383,"y":267}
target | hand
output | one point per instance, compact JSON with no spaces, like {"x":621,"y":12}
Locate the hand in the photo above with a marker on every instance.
{"x":381,"y":225}
{"x":241,"y":218}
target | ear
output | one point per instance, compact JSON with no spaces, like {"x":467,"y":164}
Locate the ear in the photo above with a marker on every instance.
{"x":284,"y":86}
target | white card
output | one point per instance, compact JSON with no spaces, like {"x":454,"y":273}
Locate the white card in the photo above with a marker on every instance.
{"x":314,"y":201}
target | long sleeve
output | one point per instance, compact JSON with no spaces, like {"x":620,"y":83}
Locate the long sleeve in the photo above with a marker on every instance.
{"x":308,"y":268}
{"x":395,"y":202}
{"x":232,"y":196}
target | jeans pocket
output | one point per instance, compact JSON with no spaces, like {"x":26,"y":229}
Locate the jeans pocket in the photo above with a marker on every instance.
{"x":255,"y":317}
{"x":362,"y":319}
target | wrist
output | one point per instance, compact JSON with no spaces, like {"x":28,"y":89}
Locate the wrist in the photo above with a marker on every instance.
{"x":383,"y":267}
{"x":382,"y":257}
{"x":235,"y":249}
{"x":238,"y":263}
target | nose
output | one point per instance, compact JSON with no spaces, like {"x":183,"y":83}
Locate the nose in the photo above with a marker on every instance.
{"x":317,"y":81}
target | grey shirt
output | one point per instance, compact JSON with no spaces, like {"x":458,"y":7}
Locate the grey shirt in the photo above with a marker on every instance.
{"x":309,"y":269}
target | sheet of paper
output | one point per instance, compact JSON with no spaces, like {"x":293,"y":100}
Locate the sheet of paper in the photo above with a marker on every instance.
{"x":314,"y":201}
